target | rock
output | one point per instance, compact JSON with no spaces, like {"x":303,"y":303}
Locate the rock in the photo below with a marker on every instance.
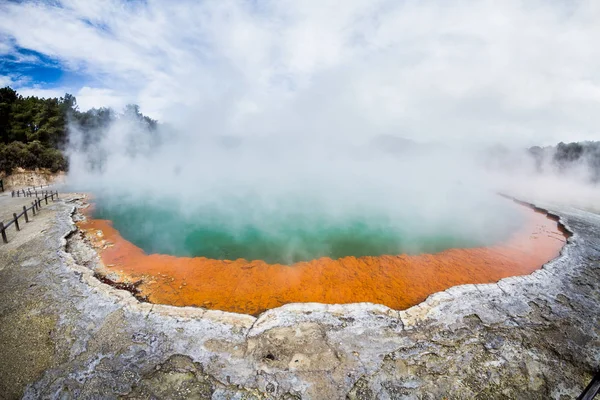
{"x":177,"y":378}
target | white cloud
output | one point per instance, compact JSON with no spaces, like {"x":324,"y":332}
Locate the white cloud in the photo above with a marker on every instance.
{"x":5,"y":47}
{"x":39,"y":92}
{"x":88,"y":97}
{"x":5,"y":81}
{"x":515,"y":71}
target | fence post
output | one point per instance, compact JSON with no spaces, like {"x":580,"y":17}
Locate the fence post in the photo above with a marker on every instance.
{"x":17,"y":193}
{"x":25,"y":214}
{"x":12,"y":194}
{"x":33,"y":207}
{"x":23,"y":192}
{"x":46,"y":198}
{"x":2,"y":185}
{"x":16,"y":221}
{"x":3,"y":230}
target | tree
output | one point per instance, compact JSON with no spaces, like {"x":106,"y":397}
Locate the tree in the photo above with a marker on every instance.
{"x":34,"y":130}
{"x":7,"y":98}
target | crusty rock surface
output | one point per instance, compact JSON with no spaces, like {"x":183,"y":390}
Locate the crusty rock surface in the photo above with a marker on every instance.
{"x":64,"y":334}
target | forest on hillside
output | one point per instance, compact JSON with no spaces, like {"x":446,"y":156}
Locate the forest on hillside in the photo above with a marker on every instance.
{"x":34,"y":132}
{"x":566,"y":158}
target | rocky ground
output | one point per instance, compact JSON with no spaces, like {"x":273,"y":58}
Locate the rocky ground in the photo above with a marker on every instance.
{"x":64,"y":334}
{"x":21,"y":178}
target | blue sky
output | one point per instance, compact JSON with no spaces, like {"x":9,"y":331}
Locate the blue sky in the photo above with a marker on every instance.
{"x":39,"y":70}
{"x":513,"y":71}
{"x":32,"y":66}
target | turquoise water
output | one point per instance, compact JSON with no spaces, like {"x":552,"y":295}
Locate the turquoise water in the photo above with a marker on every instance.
{"x":287,"y":234}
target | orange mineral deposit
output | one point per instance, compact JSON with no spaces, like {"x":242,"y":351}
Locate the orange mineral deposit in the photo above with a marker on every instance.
{"x":397,"y":281}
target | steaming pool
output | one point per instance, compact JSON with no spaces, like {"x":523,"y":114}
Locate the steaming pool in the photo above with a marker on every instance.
{"x":287,"y":238}
{"x":248,"y":258}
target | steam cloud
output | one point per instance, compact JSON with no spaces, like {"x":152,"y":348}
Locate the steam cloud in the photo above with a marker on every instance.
{"x":271,"y":183}
{"x":276,"y":108}
{"x":267,"y":184}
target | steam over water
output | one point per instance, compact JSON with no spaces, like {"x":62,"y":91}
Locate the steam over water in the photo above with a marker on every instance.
{"x":301,"y":229}
{"x":284,"y":201}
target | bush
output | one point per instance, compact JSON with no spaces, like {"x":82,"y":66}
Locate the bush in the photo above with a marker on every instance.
{"x":30,"y":156}
{"x":53,"y":160}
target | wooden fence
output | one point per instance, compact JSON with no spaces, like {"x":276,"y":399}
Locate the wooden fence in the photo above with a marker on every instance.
{"x":31,"y":191}
{"x":592,"y":389}
{"x":1,"y":185}
{"x":35,"y":208}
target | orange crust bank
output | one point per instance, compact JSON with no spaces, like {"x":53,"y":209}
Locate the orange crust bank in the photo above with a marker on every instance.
{"x":397,"y":281}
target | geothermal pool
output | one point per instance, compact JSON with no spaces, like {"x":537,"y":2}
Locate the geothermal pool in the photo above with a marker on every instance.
{"x":289,"y":231}
{"x":246,"y":259}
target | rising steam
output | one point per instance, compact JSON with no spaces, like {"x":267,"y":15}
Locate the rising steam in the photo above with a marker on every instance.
{"x":285,"y":194}
{"x":299,"y":114}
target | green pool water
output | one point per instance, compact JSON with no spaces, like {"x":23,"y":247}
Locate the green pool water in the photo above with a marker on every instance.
{"x":278,"y":234}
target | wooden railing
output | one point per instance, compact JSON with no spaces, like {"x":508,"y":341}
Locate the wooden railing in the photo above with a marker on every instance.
{"x":592,"y":389}
{"x":31,"y":191}
{"x":35,"y":208}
